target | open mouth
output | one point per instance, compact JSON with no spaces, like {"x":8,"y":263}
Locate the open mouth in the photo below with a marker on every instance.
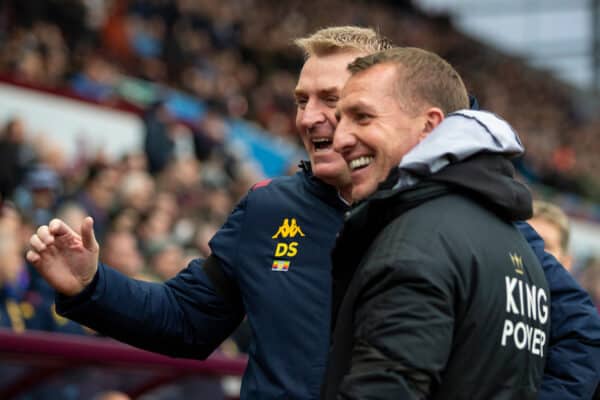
{"x":322,"y":144}
{"x":360,"y":162}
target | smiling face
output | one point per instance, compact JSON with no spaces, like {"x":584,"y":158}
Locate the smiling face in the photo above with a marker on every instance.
{"x":375,"y":130}
{"x":317,"y":93}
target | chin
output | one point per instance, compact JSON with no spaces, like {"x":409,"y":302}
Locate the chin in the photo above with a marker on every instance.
{"x":331,"y":174}
{"x":360,"y":192}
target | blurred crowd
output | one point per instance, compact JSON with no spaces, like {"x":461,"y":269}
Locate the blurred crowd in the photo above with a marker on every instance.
{"x":156,"y":209}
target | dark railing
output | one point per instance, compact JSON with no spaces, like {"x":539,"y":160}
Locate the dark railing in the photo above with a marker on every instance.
{"x":34,"y":358}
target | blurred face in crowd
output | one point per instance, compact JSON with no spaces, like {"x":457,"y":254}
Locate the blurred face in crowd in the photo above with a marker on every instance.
{"x":167,"y":262}
{"x":11,"y":260}
{"x":73,"y":215}
{"x":121,"y":251}
{"x":317,"y":93}
{"x":552,"y":240}
{"x":375,"y":130}
{"x":102,"y":189}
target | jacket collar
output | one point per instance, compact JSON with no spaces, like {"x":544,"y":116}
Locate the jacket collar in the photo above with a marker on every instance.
{"x":320,"y":189}
{"x":459,"y":136}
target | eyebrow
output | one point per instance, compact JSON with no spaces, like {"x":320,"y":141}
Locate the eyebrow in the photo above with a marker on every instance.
{"x":326,"y":91}
{"x":358,"y":106}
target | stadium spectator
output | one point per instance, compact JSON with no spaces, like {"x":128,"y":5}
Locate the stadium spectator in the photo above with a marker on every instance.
{"x":590,"y":279}
{"x":136,"y":191}
{"x":166,"y":258}
{"x":39,"y":194}
{"x":72,"y":213}
{"x":23,"y":305}
{"x":158,"y":145}
{"x":16,"y":156}
{"x":97,"y":194}
{"x":120,"y":250}
{"x":14,"y":312}
{"x":553,"y":226}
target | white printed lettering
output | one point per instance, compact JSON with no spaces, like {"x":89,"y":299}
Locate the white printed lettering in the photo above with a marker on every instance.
{"x":524,"y":337}
{"x":542,"y":307}
{"x":529,"y":336}
{"x":521,"y":296}
{"x":507,"y":331}
{"x":511,"y":305}
{"x":520,"y":343}
{"x":537,"y":339}
{"x":531,"y":301}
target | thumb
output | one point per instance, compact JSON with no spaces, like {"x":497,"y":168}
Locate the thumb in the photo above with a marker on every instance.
{"x":87,"y":234}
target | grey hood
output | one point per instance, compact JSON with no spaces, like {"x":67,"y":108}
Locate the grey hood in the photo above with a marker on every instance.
{"x":459,"y":136}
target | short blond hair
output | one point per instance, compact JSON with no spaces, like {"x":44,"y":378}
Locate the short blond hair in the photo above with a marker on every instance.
{"x":335,"y":38}
{"x":424,"y":78}
{"x":555,"y":216}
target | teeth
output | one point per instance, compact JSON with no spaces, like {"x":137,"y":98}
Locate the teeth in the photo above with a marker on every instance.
{"x":322,"y":144}
{"x":360,"y":162}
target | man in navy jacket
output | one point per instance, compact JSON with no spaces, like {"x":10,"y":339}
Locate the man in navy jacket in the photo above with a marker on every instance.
{"x":270,"y":261}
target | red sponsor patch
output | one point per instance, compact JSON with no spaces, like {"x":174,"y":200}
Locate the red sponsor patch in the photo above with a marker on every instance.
{"x":261,"y":183}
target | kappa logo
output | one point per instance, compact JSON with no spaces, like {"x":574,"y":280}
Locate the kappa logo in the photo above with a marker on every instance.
{"x":517,"y":262}
{"x":287,"y":229}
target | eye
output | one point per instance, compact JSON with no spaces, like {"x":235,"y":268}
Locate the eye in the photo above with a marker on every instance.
{"x":331,"y":101}
{"x":362,"y":118}
{"x":301,"y":102}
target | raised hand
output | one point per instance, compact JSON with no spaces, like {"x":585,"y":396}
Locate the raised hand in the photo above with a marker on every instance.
{"x":67,"y":260}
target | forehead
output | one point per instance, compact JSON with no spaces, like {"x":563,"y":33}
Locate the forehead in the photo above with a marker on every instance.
{"x":376,"y":82}
{"x":326,"y":72}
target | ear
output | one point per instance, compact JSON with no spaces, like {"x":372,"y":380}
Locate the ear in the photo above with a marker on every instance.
{"x":433,"y":117}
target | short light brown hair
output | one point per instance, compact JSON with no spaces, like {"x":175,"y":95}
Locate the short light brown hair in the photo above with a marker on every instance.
{"x":555,"y":216}
{"x":424,"y":78}
{"x":335,"y":38}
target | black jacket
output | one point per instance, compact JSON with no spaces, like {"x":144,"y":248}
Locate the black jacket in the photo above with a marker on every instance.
{"x":427,"y":292}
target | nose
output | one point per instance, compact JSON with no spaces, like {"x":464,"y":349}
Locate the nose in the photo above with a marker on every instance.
{"x":311,"y":115}
{"x":343,"y":138}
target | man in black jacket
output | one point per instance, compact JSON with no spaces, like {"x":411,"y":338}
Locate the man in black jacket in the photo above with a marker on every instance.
{"x":436,"y":294}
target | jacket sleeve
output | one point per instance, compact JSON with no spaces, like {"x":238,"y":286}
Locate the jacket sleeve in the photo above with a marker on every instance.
{"x":403,"y":330}
{"x":573,"y":365}
{"x":183,"y":317}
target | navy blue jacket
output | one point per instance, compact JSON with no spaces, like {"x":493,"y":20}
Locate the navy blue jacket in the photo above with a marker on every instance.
{"x":275,"y":248}
{"x":573,"y":364}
